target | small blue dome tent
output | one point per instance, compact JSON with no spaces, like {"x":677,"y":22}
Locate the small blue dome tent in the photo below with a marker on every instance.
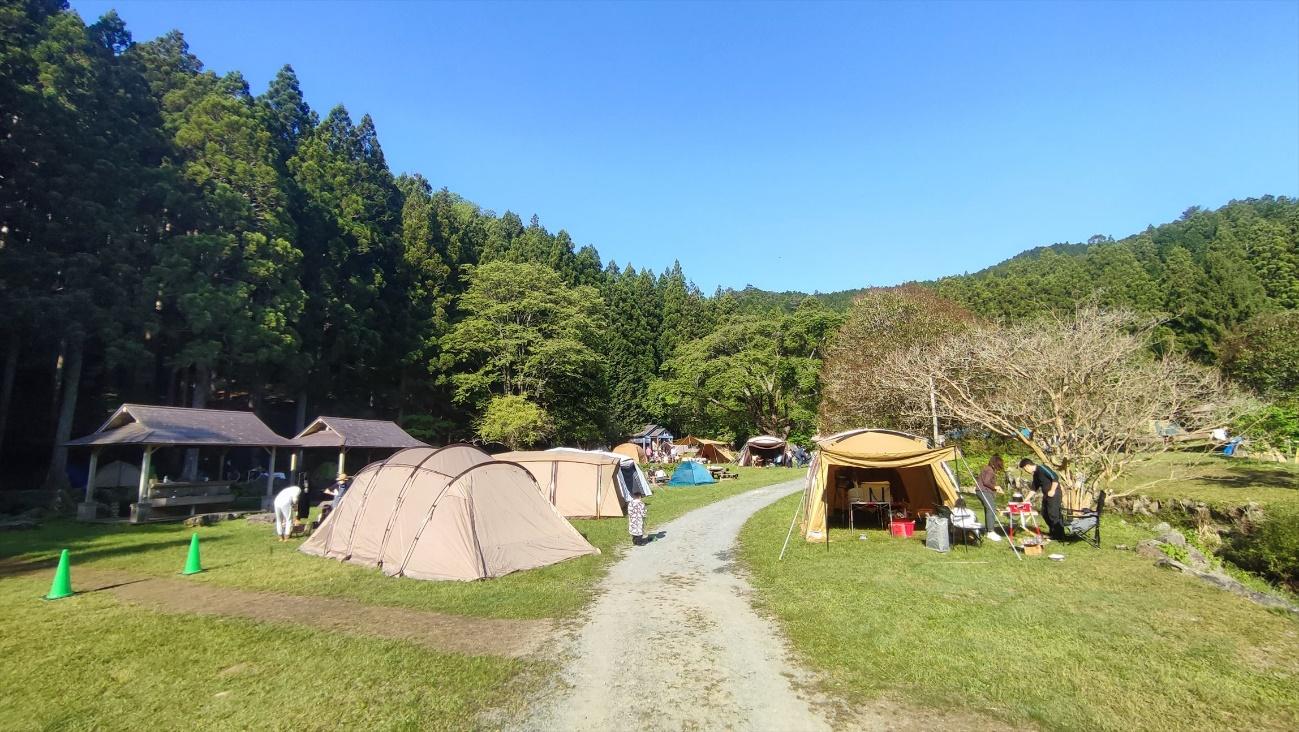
{"x":691,"y":473}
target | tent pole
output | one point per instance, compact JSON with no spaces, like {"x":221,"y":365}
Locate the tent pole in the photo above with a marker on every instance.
{"x":790,"y":533}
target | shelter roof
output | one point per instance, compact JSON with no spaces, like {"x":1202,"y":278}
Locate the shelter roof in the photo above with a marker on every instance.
{"x":652,"y":432}
{"x":360,"y":433}
{"x":140,"y":424}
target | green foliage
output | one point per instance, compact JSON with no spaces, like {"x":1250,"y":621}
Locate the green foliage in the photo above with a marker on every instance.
{"x":1270,"y":549}
{"x":1264,"y":354}
{"x":1274,"y":426}
{"x":515,"y":422}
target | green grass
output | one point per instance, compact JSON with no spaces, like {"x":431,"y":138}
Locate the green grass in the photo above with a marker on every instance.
{"x":89,"y":662}
{"x":92,"y":662}
{"x":243,"y":555}
{"x":1103,"y":640}
{"x":1215,"y":480}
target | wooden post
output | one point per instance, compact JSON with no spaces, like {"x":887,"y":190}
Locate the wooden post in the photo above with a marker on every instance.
{"x":342,"y":459}
{"x":933,"y":408}
{"x":90,"y":480}
{"x":270,"y":475}
{"x":145,"y":465}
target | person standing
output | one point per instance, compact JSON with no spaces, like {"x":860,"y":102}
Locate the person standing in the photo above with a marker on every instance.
{"x":286,"y":509}
{"x":987,"y":486}
{"x":1047,"y":484}
{"x":636,"y":511}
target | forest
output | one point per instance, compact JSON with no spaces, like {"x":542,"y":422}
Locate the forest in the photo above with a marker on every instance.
{"x":167,"y":236}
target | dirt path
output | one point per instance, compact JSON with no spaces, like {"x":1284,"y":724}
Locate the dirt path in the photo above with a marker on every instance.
{"x":447,"y":633}
{"x":673,"y":628}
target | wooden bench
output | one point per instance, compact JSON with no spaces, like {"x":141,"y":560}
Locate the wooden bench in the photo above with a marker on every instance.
{"x":180,"y":495}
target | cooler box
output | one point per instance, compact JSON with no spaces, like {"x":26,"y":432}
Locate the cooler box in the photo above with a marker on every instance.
{"x":902,"y":528}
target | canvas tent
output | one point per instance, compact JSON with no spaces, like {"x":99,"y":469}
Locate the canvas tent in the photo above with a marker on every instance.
{"x":631,"y":450}
{"x":450,"y":513}
{"x":769,"y":449}
{"x":916,"y":473}
{"x":714,"y":451}
{"x":690,"y":472}
{"x":580,"y":483}
{"x":117,"y":474}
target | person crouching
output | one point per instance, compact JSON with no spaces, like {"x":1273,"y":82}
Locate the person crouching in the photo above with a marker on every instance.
{"x":286,"y":509}
{"x":636,"y":511}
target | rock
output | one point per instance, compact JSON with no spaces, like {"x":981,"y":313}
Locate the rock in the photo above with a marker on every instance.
{"x":1162,"y":528}
{"x":1196,"y":558}
{"x":1173,"y":537}
{"x":260,"y":518}
{"x":1149,"y":548}
{"x":207,"y":519}
{"x":1228,"y":583}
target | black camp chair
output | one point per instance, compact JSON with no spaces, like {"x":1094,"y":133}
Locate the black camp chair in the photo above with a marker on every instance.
{"x":1085,"y":523}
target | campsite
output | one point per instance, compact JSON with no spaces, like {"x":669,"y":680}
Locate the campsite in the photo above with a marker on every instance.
{"x":571,"y":367}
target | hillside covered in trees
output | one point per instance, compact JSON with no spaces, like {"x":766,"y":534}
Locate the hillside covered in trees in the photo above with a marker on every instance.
{"x":169,"y":237}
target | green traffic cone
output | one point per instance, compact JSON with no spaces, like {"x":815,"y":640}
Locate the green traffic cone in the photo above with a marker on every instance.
{"x":61,"y":587}
{"x":192,"y":564}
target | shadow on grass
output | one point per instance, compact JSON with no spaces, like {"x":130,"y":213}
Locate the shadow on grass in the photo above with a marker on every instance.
{"x":81,"y":550}
{"x":1242,"y":477}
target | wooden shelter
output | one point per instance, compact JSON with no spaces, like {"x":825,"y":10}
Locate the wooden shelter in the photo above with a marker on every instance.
{"x":345,"y":433}
{"x":152,"y":428}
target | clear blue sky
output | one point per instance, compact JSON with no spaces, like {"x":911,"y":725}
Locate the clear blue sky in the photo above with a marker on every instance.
{"x":797,"y":146}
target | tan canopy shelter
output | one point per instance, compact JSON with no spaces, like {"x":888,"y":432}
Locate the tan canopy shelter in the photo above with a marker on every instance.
{"x":915,"y":473}
{"x":714,"y":451}
{"x":580,"y":484}
{"x":450,"y":513}
{"x":631,"y":450}
{"x":770,"y":449}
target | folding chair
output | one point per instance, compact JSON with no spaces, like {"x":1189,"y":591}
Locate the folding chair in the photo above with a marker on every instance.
{"x":1085,"y":523}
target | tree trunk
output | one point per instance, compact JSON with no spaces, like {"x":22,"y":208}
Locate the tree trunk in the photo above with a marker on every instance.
{"x":7,"y":381}
{"x":202,"y":385}
{"x":57,"y":478}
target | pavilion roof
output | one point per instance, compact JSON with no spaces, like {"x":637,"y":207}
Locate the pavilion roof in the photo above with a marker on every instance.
{"x":360,"y":433}
{"x":142,"y":424}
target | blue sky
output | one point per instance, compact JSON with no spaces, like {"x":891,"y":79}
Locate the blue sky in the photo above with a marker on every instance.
{"x":808,"y":146}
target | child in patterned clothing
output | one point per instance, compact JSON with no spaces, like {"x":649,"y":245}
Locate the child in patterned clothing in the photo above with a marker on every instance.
{"x":636,"y":510}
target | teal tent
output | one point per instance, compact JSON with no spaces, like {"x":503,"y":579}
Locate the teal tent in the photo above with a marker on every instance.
{"x":691,"y":473}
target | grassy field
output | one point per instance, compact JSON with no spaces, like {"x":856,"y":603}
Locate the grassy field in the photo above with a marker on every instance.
{"x":1102,"y":640}
{"x":1215,"y":480}
{"x":91,"y":661}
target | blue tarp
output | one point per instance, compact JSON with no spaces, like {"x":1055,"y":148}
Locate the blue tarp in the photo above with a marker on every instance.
{"x":691,"y":473}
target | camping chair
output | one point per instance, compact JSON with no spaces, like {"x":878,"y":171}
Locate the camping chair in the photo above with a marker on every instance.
{"x":965,"y":528}
{"x":1085,"y":523}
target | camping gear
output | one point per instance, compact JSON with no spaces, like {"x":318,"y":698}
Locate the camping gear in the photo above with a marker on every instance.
{"x":1055,"y":557}
{"x":770,"y":450}
{"x":904,"y":529}
{"x":192,"y":563}
{"x":1085,"y":524}
{"x":583,"y":483}
{"x":938,"y":534}
{"x":913,"y":470}
{"x":61,"y":587}
{"x":451,"y":513}
{"x":691,"y":473}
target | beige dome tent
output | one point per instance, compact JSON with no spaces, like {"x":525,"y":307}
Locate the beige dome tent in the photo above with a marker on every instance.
{"x":631,"y":450}
{"x":916,"y":473}
{"x":581,"y":483}
{"x":770,"y":449}
{"x":452,"y":513}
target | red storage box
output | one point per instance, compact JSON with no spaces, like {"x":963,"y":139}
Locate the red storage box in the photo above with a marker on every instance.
{"x":902,"y":528}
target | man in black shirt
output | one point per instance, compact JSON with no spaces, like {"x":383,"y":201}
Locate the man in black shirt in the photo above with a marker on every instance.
{"x":1046,"y":483}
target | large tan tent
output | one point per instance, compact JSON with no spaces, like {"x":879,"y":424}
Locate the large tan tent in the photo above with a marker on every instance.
{"x":580,"y":483}
{"x":451,"y":513}
{"x":917,"y":476}
{"x":714,"y":451}
{"x":631,"y":450}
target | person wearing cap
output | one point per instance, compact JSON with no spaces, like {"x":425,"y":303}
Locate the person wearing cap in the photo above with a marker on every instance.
{"x":1047,"y":484}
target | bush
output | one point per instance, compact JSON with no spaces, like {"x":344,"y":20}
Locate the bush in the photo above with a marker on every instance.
{"x":1271,"y":550}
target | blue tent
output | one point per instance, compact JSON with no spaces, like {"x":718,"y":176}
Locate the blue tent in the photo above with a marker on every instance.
{"x":691,"y":473}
